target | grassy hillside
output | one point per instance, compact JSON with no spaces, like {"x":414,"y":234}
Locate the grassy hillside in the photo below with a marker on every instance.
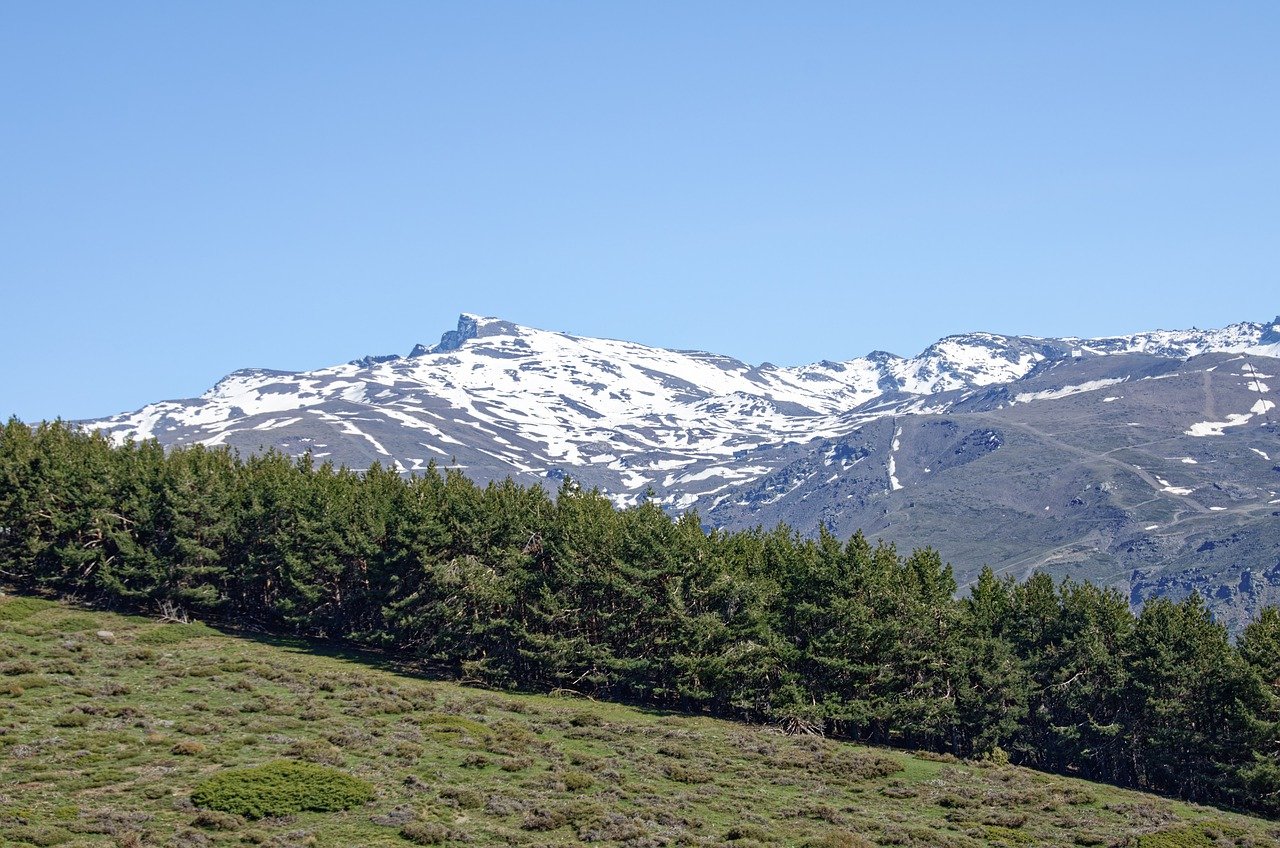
{"x":108,"y":724}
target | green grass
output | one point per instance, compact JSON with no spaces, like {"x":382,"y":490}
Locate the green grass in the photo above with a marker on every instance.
{"x":119,"y":740}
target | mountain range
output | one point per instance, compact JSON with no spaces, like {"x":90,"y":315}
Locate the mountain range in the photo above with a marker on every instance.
{"x":1150,"y":461}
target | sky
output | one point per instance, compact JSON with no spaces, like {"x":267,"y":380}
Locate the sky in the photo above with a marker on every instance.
{"x":191,"y":188}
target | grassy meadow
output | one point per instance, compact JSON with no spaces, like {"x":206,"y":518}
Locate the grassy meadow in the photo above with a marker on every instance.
{"x":110,"y":725}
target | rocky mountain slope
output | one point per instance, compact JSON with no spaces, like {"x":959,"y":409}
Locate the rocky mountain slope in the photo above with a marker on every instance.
{"x":1149,"y":461}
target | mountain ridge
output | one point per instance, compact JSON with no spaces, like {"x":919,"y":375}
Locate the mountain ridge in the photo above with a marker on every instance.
{"x":947,"y":448}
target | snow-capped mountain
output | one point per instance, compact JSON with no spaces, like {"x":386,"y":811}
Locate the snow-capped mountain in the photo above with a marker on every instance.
{"x":501,"y":399}
{"x":947,"y":448}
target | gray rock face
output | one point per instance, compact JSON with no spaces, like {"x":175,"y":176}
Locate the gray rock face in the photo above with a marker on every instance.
{"x":1147,"y":461}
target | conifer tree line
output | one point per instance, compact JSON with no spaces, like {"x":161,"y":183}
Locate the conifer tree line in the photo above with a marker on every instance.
{"x":513,"y":587}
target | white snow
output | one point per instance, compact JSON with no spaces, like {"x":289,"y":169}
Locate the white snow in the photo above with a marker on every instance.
{"x":543,"y":399}
{"x":1172,"y":489}
{"x":894,"y":485}
{"x":1215,"y":428}
{"x":1066,"y":391}
{"x":276,"y":424}
{"x":1188,"y":460}
{"x":1262,"y":454}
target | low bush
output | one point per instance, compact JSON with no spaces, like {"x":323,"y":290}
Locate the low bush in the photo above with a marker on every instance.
{"x":686,"y":774}
{"x":214,"y":820}
{"x":467,"y":799}
{"x":746,"y":831}
{"x":71,"y":719}
{"x":576,"y":781}
{"x":40,"y":836}
{"x":316,"y":752}
{"x":1195,"y":836}
{"x":281,"y":788}
{"x":839,"y":839}
{"x":425,"y":833}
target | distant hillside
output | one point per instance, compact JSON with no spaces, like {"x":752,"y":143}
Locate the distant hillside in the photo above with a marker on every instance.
{"x":110,"y":722}
{"x":1149,"y":462}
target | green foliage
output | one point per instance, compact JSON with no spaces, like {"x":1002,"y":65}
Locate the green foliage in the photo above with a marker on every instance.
{"x":19,"y":609}
{"x":425,"y":832}
{"x":509,"y":586}
{"x":118,"y":781}
{"x":39,"y":836}
{"x":1198,"y":836}
{"x":839,"y":839}
{"x":576,"y":781}
{"x":280,"y":788}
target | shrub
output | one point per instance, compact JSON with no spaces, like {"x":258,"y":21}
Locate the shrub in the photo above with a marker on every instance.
{"x":839,"y":839}
{"x":316,"y":752}
{"x":745,"y":831}
{"x":545,"y":818}
{"x":280,"y":788}
{"x":1184,"y":837}
{"x":214,"y":820}
{"x":188,"y":748}
{"x":39,"y":835}
{"x":1077,"y":797}
{"x":576,"y":781}
{"x":686,"y":774}
{"x":467,"y":799}
{"x":425,"y":833}
{"x":71,"y":719}
{"x":585,"y":720}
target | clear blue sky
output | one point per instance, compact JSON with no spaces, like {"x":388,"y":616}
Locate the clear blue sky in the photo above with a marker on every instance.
{"x":189,"y":188}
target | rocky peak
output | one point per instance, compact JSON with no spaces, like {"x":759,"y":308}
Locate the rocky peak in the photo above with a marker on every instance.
{"x":1271,"y":333}
{"x":469,"y":327}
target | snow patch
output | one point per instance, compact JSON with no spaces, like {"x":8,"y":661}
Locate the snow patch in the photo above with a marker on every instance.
{"x":1216,"y":428}
{"x":1172,"y":489}
{"x":1066,"y":391}
{"x":894,"y":485}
